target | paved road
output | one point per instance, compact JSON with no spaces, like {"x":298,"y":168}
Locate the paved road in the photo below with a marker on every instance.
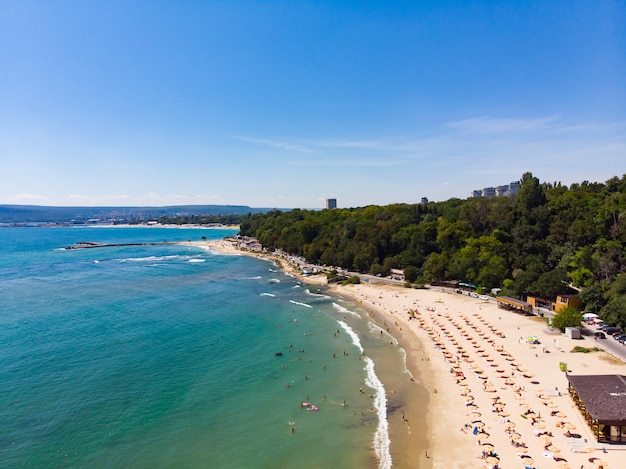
{"x":609,"y":344}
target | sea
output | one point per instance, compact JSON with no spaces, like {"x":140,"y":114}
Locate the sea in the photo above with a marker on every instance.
{"x":177,"y":356}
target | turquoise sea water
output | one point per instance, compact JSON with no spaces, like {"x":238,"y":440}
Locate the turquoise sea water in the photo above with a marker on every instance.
{"x":166,"y":356}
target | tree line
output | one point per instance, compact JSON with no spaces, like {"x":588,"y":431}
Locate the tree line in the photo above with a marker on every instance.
{"x":548,"y":239}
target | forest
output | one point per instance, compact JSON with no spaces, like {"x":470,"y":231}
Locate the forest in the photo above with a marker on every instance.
{"x":548,"y":239}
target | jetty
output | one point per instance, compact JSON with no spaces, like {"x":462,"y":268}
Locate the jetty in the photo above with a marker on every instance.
{"x":91,"y":244}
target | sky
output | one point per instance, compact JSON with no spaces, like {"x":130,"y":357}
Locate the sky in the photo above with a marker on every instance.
{"x":287,"y":103}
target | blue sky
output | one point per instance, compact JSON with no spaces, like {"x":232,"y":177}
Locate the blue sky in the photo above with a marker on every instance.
{"x":285,"y":104}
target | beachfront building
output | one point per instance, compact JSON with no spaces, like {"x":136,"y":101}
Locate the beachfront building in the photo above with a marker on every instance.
{"x":567,"y":301}
{"x":247,"y":243}
{"x":331,"y":203}
{"x":396,"y":274}
{"x":602,"y":401}
{"x":512,"y":304}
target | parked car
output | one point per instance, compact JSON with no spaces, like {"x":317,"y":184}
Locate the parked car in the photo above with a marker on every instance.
{"x":611,"y":330}
{"x":600,"y":335}
{"x":619,"y":337}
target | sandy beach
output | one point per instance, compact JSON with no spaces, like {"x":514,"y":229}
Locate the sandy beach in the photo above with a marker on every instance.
{"x":493,"y":397}
{"x":482,"y":372}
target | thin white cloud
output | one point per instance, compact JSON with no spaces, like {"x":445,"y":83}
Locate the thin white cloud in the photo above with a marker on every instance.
{"x":275,"y":143}
{"x":387,"y":145}
{"x":151,"y":198}
{"x":352,"y":162}
{"x":24,"y":197}
{"x":489,"y":125}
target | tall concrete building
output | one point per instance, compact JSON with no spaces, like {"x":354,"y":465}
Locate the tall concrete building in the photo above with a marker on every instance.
{"x":331,"y":203}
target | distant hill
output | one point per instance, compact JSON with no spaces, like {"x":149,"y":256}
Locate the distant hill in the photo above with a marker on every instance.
{"x":19,"y":214}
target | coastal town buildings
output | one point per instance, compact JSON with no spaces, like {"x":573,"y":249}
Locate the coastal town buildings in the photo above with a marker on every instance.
{"x":567,"y":301}
{"x":507,"y":190}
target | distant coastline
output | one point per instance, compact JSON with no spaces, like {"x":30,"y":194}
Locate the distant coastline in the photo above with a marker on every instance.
{"x":212,"y":226}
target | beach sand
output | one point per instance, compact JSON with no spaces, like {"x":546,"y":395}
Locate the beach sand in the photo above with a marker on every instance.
{"x":480,"y":368}
{"x":478,"y":384}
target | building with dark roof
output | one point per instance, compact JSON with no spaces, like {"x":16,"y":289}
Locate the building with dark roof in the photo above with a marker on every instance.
{"x":602,"y":401}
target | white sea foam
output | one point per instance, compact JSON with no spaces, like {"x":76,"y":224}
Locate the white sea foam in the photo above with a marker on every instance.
{"x":300,"y":304}
{"x":381,"y":437}
{"x":195,"y":261}
{"x":274,"y":280}
{"x":268,"y":294}
{"x":406,"y":370}
{"x":341,"y":309}
{"x":148,"y":258}
{"x":355,"y":338}
{"x":376,"y":329}
{"x":258,"y":277}
{"x":316,"y":295}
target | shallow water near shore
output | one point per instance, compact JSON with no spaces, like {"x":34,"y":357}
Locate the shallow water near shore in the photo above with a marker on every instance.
{"x":175,"y":356}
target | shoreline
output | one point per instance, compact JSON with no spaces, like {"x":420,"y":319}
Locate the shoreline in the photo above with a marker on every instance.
{"x":409,"y":424}
{"x":476,"y":377}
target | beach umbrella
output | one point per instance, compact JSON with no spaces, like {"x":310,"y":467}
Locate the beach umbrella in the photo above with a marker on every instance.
{"x":492,"y":460}
{"x":563,"y":465}
{"x":554,"y":449}
{"x":487,"y":446}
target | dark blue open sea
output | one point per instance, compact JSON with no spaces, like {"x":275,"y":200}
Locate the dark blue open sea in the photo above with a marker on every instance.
{"x":166,"y":356}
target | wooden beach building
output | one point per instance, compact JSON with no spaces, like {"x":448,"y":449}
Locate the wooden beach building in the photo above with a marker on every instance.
{"x":506,"y":302}
{"x":602,"y":401}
